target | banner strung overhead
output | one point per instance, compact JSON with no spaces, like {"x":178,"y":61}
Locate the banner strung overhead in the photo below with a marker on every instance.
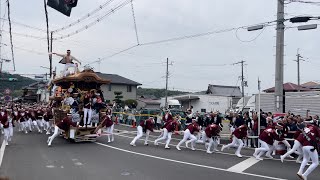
{"x":63,"y":6}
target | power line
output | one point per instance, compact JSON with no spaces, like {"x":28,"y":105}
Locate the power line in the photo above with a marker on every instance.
{"x":9,"y":18}
{"x":201,"y":34}
{"x":251,"y":40}
{"x":84,"y":17}
{"x":27,"y":50}
{"x":114,"y":54}
{"x":24,"y":25}
{"x":305,"y":2}
{"x":121,"y":5}
{"x":26,"y":35}
{"x":134,"y":22}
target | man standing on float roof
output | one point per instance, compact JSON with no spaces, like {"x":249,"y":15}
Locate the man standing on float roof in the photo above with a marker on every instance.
{"x":67,"y":59}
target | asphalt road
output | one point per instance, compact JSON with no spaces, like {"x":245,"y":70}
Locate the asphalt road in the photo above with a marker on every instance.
{"x":28,"y":157}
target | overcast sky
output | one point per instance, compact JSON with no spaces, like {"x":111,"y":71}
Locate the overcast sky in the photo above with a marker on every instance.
{"x":197,"y":62}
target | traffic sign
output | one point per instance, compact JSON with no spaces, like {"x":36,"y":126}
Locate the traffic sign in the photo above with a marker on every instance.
{"x":7,"y":91}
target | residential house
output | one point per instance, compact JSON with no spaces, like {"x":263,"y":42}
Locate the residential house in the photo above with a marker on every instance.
{"x":216,"y":98}
{"x":119,"y":84}
{"x":148,"y":103}
{"x":289,"y":87}
{"x":35,"y":92}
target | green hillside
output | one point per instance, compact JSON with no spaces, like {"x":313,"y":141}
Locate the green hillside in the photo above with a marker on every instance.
{"x":14,"y":86}
{"x":157,"y":93}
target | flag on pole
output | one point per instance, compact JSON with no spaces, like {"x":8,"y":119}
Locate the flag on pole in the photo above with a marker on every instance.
{"x":63,"y":6}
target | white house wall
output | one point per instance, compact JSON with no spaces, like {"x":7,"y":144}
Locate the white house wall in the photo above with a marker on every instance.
{"x":109,"y":95}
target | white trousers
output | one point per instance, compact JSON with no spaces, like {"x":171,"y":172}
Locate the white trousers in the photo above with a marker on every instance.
{"x":19,"y":125}
{"x":35,"y":125}
{"x":87,"y":113}
{"x":187,"y":135}
{"x":140,"y":134}
{"x":47,"y":126}
{"x":109,"y":130}
{"x":307,"y":154}
{"x":264,"y":147}
{"x":212,"y":141}
{"x":40,"y":123}
{"x":6,"y":134}
{"x":297,"y":149}
{"x":24,"y":126}
{"x":10,"y":133}
{"x":235,"y":142}
{"x":68,"y":65}
{"x":165,"y":135}
{"x":54,"y":135}
{"x":275,"y":144}
{"x":29,"y":125}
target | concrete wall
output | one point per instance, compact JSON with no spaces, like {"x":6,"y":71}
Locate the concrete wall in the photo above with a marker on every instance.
{"x":109,"y":95}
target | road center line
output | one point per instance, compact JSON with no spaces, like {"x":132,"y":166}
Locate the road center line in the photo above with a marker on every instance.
{"x":242,"y":166}
{"x":187,"y":163}
{"x":3,"y":147}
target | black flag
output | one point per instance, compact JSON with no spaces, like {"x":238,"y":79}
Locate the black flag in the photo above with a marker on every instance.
{"x":63,"y":6}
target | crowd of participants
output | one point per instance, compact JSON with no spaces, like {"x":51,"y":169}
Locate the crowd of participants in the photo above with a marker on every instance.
{"x":206,"y":129}
{"x":203,"y":129}
{"x":26,"y":118}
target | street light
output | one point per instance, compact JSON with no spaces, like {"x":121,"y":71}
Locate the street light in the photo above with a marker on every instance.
{"x":254,"y":28}
{"x":280,"y":46}
{"x":307,"y":27}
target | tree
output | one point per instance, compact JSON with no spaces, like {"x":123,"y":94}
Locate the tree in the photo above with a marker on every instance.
{"x":118,"y":97}
{"x":131,"y":103}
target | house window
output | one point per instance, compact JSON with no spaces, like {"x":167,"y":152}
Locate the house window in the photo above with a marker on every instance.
{"x":203,"y":110}
{"x":109,"y":87}
{"x":129,"y":88}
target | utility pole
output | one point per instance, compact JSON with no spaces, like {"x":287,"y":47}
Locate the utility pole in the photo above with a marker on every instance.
{"x":0,"y":38}
{"x":166,"y":92}
{"x":298,"y":65}
{"x":279,"y":58}
{"x":243,"y":83}
{"x":51,"y":40}
{"x":258,"y":111}
{"x":167,"y":77}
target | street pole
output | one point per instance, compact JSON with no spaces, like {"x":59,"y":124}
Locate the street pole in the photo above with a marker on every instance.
{"x":50,"y":60}
{"x":51,"y":43}
{"x":166,"y":92}
{"x":242,"y":82}
{"x":259,"y":104}
{"x":0,"y":38}
{"x":279,"y":58}
{"x":242,"y":86}
{"x":298,"y":70}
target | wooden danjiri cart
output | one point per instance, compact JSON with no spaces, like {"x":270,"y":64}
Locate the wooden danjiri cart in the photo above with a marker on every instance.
{"x":79,"y":83}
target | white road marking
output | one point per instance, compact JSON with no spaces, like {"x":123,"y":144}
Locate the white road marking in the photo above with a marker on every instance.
{"x":174,"y":145}
{"x":186,"y":163}
{"x":50,"y":166}
{"x":3,"y":147}
{"x":231,"y":154}
{"x":242,"y":166}
{"x":78,"y":164}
